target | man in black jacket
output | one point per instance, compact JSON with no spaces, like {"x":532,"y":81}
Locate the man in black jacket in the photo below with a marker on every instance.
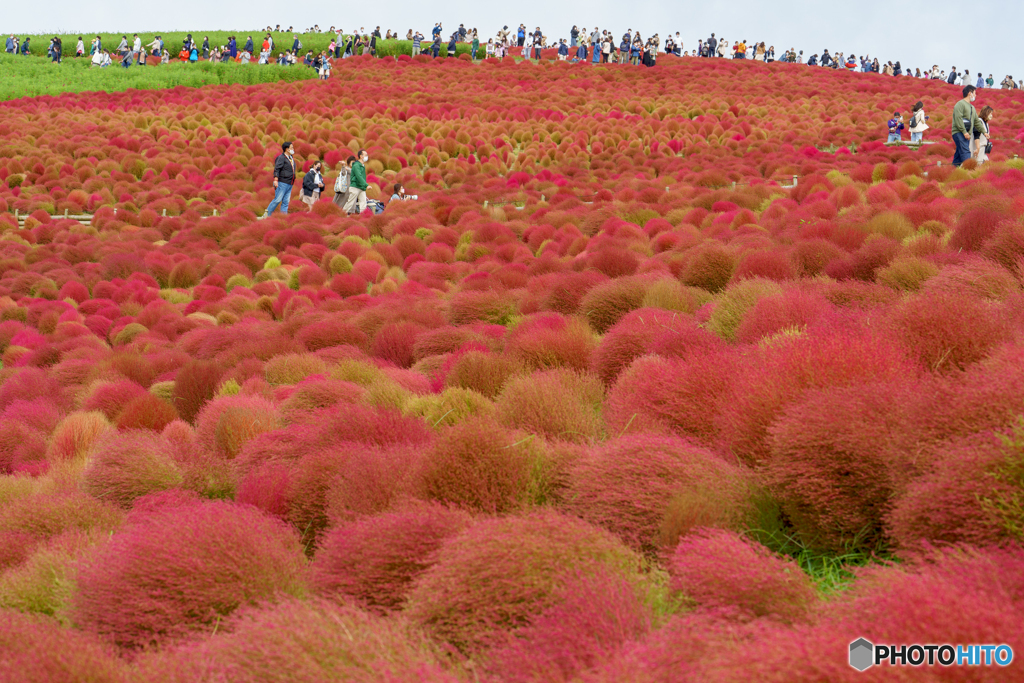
{"x":284,"y":178}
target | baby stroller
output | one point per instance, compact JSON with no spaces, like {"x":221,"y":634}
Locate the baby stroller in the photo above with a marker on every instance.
{"x":375,"y":206}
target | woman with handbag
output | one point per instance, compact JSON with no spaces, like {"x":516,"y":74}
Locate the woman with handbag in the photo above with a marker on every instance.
{"x":341,"y":185}
{"x":981,"y":147}
{"x":918,"y":123}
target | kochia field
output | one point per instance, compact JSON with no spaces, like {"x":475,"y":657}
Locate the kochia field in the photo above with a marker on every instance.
{"x":668,"y":374}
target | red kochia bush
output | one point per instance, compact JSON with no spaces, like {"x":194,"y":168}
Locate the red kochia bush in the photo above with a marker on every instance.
{"x":948,"y":332}
{"x":649,"y":489}
{"x":370,"y":481}
{"x":499,"y":574}
{"x":590,"y":620}
{"x":194,"y":385}
{"x":44,"y":515}
{"x":721,"y":569}
{"x":331,"y":332}
{"x":633,"y":336}
{"x":673,"y":395}
{"x":111,"y":398}
{"x":771,"y":314}
{"x":38,"y":649}
{"x":782,"y":372}
{"x":960,"y":596}
{"x":395,"y":343}
{"x":373,"y":560}
{"x":837,"y":459}
{"x":181,"y":568}
{"x":146,"y":411}
{"x":966,"y":496}
{"x":974,"y":228}
{"x":297,"y":640}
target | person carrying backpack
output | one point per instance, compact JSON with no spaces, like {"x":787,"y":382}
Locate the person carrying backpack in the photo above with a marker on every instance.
{"x":357,"y":184}
{"x":341,"y":185}
{"x":918,"y":123}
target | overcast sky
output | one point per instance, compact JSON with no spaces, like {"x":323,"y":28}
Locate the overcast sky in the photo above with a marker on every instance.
{"x":982,"y":35}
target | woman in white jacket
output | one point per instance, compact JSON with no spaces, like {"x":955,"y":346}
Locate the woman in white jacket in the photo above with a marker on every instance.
{"x":918,"y":123}
{"x":979,"y":143}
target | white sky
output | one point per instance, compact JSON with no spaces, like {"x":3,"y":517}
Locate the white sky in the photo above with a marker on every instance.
{"x":982,"y":35}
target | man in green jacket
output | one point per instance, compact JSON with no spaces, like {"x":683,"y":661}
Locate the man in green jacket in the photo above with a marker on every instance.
{"x":357,"y":184}
{"x":965,"y":122}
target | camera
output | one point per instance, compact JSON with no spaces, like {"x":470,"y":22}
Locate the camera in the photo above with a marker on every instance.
{"x":414,"y":196}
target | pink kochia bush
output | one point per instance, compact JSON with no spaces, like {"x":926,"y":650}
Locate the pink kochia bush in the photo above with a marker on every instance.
{"x":684,"y":396}
{"x":592,"y":617}
{"x":651,"y":489}
{"x":499,"y":574}
{"x":38,"y":649}
{"x":971,"y":494}
{"x":373,"y":560}
{"x":301,"y":641}
{"x":838,"y":458}
{"x":181,"y":567}
{"x":719,"y":569}
{"x":780,"y":373}
{"x":913,"y":603}
{"x":633,"y":336}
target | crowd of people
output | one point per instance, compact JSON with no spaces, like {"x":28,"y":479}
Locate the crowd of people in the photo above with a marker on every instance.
{"x":583,"y":45}
{"x":970,"y":129}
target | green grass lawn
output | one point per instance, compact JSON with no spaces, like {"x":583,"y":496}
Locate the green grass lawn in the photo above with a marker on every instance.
{"x":32,"y":76}
{"x":173,"y":41}
{"x":35,"y":74}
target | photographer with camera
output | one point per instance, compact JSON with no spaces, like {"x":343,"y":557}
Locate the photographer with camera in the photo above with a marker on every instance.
{"x":918,"y":123}
{"x":400,"y":195}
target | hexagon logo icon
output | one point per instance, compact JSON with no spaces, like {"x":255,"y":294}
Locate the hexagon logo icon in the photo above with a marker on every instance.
{"x":861,"y":654}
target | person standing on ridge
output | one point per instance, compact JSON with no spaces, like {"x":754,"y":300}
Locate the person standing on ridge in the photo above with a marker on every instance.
{"x":965,"y":121}
{"x":284,"y":178}
{"x":357,"y":184}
